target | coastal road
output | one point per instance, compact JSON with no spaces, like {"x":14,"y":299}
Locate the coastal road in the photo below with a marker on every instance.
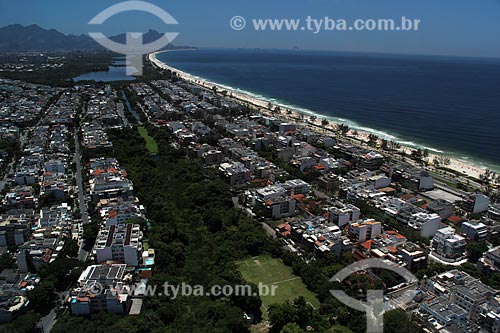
{"x":82,"y":255}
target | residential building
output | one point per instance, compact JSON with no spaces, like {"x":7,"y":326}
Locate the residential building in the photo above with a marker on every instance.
{"x":320,"y":236}
{"x":14,"y":230}
{"x":212,"y":157}
{"x":329,"y":182}
{"x":269,"y":193}
{"x":370,"y":161}
{"x":379,"y":181}
{"x":417,"y":218}
{"x":476,"y":203}
{"x":474,"y":230}
{"x":114,"y":213}
{"x":296,"y":186}
{"x":101,"y":288}
{"x":341,"y":214}
{"x":413,"y":178}
{"x":427,"y":224}
{"x":55,"y":166}
{"x":364,"y":230}
{"x":441,"y":207}
{"x":414,"y":256}
{"x":13,"y":293}
{"x":122,"y":243}
{"x":235,"y":172}
{"x":448,"y":246}
{"x":445,"y":312}
{"x":457,"y":302}
{"x":279,"y":207}
{"x":285,"y":128}
{"x":492,"y":258}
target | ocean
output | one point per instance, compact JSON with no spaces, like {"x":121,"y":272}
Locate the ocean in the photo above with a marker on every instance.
{"x":445,"y":104}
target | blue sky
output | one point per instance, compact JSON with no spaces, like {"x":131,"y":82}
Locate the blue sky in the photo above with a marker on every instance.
{"x":449,"y":27}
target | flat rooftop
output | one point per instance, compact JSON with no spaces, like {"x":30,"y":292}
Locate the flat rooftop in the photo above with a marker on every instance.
{"x":440,"y":194}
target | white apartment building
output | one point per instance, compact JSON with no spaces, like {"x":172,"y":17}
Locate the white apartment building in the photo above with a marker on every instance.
{"x":448,"y":246}
{"x":122,"y":243}
{"x":343,"y":214}
{"x":426,"y":223}
{"x":364,"y":230}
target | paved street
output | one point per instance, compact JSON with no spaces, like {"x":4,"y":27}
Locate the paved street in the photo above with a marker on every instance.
{"x":47,"y":322}
{"x":81,"y":195}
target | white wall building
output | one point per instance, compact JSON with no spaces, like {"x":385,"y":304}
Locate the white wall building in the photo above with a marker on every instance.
{"x":426,"y":223}
{"x":364,"y":230}
{"x":122,"y":243}
{"x":448,"y":246}
{"x":343,"y":214}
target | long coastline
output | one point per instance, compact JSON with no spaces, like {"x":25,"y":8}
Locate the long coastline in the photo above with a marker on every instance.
{"x":296,"y":116}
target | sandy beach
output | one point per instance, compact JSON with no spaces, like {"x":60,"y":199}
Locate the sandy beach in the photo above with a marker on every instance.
{"x":291,"y":115}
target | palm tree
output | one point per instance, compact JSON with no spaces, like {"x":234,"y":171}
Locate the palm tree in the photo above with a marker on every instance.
{"x":372,"y":140}
{"x":426,"y":153}
{"x":394,"y":145}
{"x":417,"y":154}
{"x":343,"y":129}
{"x":384,"y":144}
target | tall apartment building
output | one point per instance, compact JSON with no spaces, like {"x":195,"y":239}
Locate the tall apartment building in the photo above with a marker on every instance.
{"x":448,"y":245}
{"x":341,"y":214}
{"x":414,"y":256}
{"x":476,"y":231}
{"x":476,"y":203}
{"x":122,"y":243}
{"x":100,"y":288}
{"x":364,"y":230}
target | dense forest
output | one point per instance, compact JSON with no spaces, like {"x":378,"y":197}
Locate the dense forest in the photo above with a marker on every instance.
{"x":76,"y":63}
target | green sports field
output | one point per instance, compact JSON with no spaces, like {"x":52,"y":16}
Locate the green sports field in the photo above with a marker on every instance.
{"x":271,"y":271}
{"x":150,"y":142}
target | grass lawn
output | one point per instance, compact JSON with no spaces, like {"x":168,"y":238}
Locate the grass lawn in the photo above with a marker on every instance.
{"x":271,"y":271}
{"x":150,"y":142}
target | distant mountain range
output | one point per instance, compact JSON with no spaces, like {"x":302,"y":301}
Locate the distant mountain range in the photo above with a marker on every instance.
{"x":16,"y":37}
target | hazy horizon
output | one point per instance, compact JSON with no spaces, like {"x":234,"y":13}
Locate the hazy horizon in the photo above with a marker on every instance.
{"x":463,"y":28}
